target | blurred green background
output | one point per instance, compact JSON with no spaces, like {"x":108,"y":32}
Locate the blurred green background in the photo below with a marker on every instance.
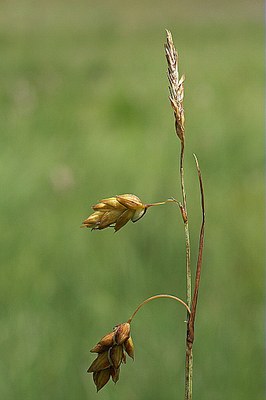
{"x":85,"y":115}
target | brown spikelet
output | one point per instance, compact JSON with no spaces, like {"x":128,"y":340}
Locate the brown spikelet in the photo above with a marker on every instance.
{"x":115,"y":355}
{"x":111,"y":349}
{"x":115,"y":374}
{"x":122,"y":333}
{"x":129,"y":347}
{"x":101,"y":362}
{"x":104,"y":343}
{"x":100,"y":378}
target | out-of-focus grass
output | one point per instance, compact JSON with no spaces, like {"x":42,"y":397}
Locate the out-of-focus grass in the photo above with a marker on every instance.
{"x":84,"y":115}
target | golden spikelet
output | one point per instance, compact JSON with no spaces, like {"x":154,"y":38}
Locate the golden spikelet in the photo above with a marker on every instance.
{"x":115,"y":212}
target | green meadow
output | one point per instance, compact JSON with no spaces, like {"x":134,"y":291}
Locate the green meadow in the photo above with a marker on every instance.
{"x":84,"y":115}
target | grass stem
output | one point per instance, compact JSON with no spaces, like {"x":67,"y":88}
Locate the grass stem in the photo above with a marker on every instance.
{"x":189,"y":355}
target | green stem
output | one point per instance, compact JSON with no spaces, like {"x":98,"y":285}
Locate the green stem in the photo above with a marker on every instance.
{"x":189,"y":355}
{"x":185,"y":218}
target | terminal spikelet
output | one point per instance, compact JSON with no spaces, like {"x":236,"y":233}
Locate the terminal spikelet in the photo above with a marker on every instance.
{"x":176,"y":86}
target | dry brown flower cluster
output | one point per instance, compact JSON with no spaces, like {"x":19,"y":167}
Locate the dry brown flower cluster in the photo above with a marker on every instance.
{"x":111,"y":349}
{"x":115,"y":212}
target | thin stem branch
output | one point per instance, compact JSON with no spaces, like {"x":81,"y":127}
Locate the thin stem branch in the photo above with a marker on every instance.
{"x":158,"y":296}
{"x":172,"y":200}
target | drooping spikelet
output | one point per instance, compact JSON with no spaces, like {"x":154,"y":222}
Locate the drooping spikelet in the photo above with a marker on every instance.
{"x":176,"y":85}
{"x":116,"y":212}
{"x":111,"y":349}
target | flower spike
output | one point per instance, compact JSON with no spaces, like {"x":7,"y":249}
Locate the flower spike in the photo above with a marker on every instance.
{"x":116,"y":211}
{"x":112,"y":350}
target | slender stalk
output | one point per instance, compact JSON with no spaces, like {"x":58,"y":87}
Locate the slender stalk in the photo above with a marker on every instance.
{"x":189,"y":355}
{"x":185,"y":219}
{"x":158,"y":296}
{"x":172,"y":200}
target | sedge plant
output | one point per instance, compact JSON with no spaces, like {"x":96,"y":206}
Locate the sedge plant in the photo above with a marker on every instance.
{"x":113,"y":348}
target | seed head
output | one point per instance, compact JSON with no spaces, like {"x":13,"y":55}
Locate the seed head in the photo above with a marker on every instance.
{"x":111,"y":349}
{"x":115,"y":212}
